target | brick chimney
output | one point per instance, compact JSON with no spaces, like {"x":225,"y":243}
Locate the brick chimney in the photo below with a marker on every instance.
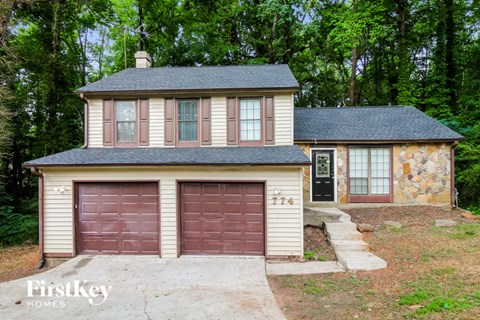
{"x":142,"y":59}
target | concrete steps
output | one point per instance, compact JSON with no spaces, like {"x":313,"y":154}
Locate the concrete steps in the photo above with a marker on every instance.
{"x":350,"y":249}
{"x":359,"y":260}
{"x":348,"y":235}
{"x":349,"y":245}
{"x":339,"y":227}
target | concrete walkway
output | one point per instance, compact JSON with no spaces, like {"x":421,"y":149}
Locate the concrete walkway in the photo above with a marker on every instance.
{"x":145,"y":287}
{"x":351,"y":251}
{"x":311,"y":267}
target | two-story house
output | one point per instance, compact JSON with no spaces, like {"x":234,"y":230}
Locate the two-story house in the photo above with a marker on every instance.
{"x":177,"y":161}
{"x":216,"y":161}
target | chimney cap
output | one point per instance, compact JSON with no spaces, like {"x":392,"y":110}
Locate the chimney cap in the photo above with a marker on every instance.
{"x":143,"y":59}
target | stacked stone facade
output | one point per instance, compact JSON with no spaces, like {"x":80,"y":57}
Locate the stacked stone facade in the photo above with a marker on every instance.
{"x":421,"y":173}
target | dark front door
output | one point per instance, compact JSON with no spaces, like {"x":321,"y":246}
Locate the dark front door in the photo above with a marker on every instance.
{"x":323,"y":173}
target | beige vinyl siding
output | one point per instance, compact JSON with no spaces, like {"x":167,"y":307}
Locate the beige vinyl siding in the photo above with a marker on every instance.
{"x":95,"y":123}
{"x":284,"y":231}
{"x":156,"y":122}
{"x":219,"y":121}
{"x":283,"y":120}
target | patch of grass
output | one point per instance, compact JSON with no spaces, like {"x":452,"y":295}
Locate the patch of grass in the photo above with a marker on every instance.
{"x":443,"y":271}
{"x":288,"y":282}
{"x":435,"y":254}
{"x":465,"y":231}
{"x":313,"y":288}
{"x":309,"y":255}
{"x":317,"y":255}
{"x":438,"y":296}
{"x":415,"y":297}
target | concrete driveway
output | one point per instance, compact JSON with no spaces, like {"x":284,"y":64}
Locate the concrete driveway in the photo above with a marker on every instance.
{"x":143,"y":287}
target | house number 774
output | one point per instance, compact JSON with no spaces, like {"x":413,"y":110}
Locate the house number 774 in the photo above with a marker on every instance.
{"x":282,"y":200}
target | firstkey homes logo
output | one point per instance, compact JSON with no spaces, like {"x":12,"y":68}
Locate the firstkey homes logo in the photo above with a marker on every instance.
{"x":53,"y":295}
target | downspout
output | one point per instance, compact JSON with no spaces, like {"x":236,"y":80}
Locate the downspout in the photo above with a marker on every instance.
{"x":41,"y":188}
{"x":85,"y":120}
{"x":453,"y":190}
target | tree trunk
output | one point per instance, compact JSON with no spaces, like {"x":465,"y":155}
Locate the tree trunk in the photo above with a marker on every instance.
{"x":450,"y":54}
{"x":353,"y":77}
{"x":403,"y":68}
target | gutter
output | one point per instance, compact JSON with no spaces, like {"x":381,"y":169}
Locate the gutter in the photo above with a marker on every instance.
{"x":453,"y":190}
{"x":41,"y":205}
{"x":146,"y":164}
{"x":85,"y":123}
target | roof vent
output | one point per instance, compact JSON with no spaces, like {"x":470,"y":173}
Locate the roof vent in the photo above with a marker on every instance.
{"x":143,"y":59}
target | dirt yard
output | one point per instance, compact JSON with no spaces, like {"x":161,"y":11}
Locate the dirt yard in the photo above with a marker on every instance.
{"x":18,"y":262}
{"x":433,"y":273}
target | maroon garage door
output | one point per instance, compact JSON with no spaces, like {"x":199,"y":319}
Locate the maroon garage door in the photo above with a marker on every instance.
{"x":118,"y":218}
{"x":222,"y":218}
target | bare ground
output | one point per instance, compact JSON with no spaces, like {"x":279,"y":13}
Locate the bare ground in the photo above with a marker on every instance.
{"x":18,"y":262}
{"x":432,"y":272}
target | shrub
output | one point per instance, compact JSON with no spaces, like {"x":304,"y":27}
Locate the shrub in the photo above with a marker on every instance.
{"x":17,"y":228}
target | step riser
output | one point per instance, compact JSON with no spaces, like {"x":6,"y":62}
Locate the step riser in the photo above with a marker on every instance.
{"x":345,"y":236}
{"x":360,"y":261}
{"x":340,"y":229}
{"x":350,"y":247}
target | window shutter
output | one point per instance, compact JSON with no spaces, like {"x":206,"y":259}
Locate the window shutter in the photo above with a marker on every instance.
{"x":108,"y":122}
{"x":206,"y":121}
{"x":169,"y":122}
{"x":269,"y":121}
{"x":231,"y":121}
{"x":143,"y":125}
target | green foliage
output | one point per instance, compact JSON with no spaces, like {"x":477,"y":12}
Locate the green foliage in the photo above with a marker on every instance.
{"x":415,"y":297}
{"x":409,"y":52}
{"x":15,"y":228}
{"x":465,"y":231}
{"x":309,"y":255}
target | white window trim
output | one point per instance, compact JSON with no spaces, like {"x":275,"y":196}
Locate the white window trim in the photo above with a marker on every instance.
{"x":335,"y":191}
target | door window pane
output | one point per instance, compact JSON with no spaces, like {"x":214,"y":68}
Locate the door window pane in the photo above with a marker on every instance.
{"x":250,"y":127}
{"x":322,"y":165}
{"x":126,"y":114}
{"x":187,"y":121}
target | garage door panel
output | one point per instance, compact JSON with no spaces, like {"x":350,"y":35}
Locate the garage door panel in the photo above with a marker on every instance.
{"x":222,"y":218}
{"x":118,"y":218}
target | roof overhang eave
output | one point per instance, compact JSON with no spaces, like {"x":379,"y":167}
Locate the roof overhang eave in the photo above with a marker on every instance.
{"x":69,"y":165}
{"x":365,"y":141}
{"x":179,"y":91}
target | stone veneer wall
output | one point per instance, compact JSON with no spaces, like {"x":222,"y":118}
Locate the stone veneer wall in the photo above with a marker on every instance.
{"x":421,"y":173}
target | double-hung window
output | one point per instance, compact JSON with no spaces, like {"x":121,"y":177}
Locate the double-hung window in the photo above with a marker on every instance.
{"x":250,"y":121}
{"x":369,"y":174}
{"x":126,"y":122}
{"x":187,"y":119}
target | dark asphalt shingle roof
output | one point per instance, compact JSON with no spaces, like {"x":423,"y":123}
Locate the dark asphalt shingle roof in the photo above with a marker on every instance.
{"x":369,"y":124}
{"x":276,"y":76}
{"x":275,"y":155}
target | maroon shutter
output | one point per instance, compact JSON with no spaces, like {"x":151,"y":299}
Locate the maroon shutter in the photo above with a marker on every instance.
{"x":143,"y":125}
{"x":169,"y":122}
{"x":269,"y":121}
{"x":108,"y":122}
{"x":231,"y":121}
{"x":206,"y":122}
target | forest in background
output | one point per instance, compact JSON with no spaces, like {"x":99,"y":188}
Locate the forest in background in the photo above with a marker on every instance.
{"x":424,"y":53}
